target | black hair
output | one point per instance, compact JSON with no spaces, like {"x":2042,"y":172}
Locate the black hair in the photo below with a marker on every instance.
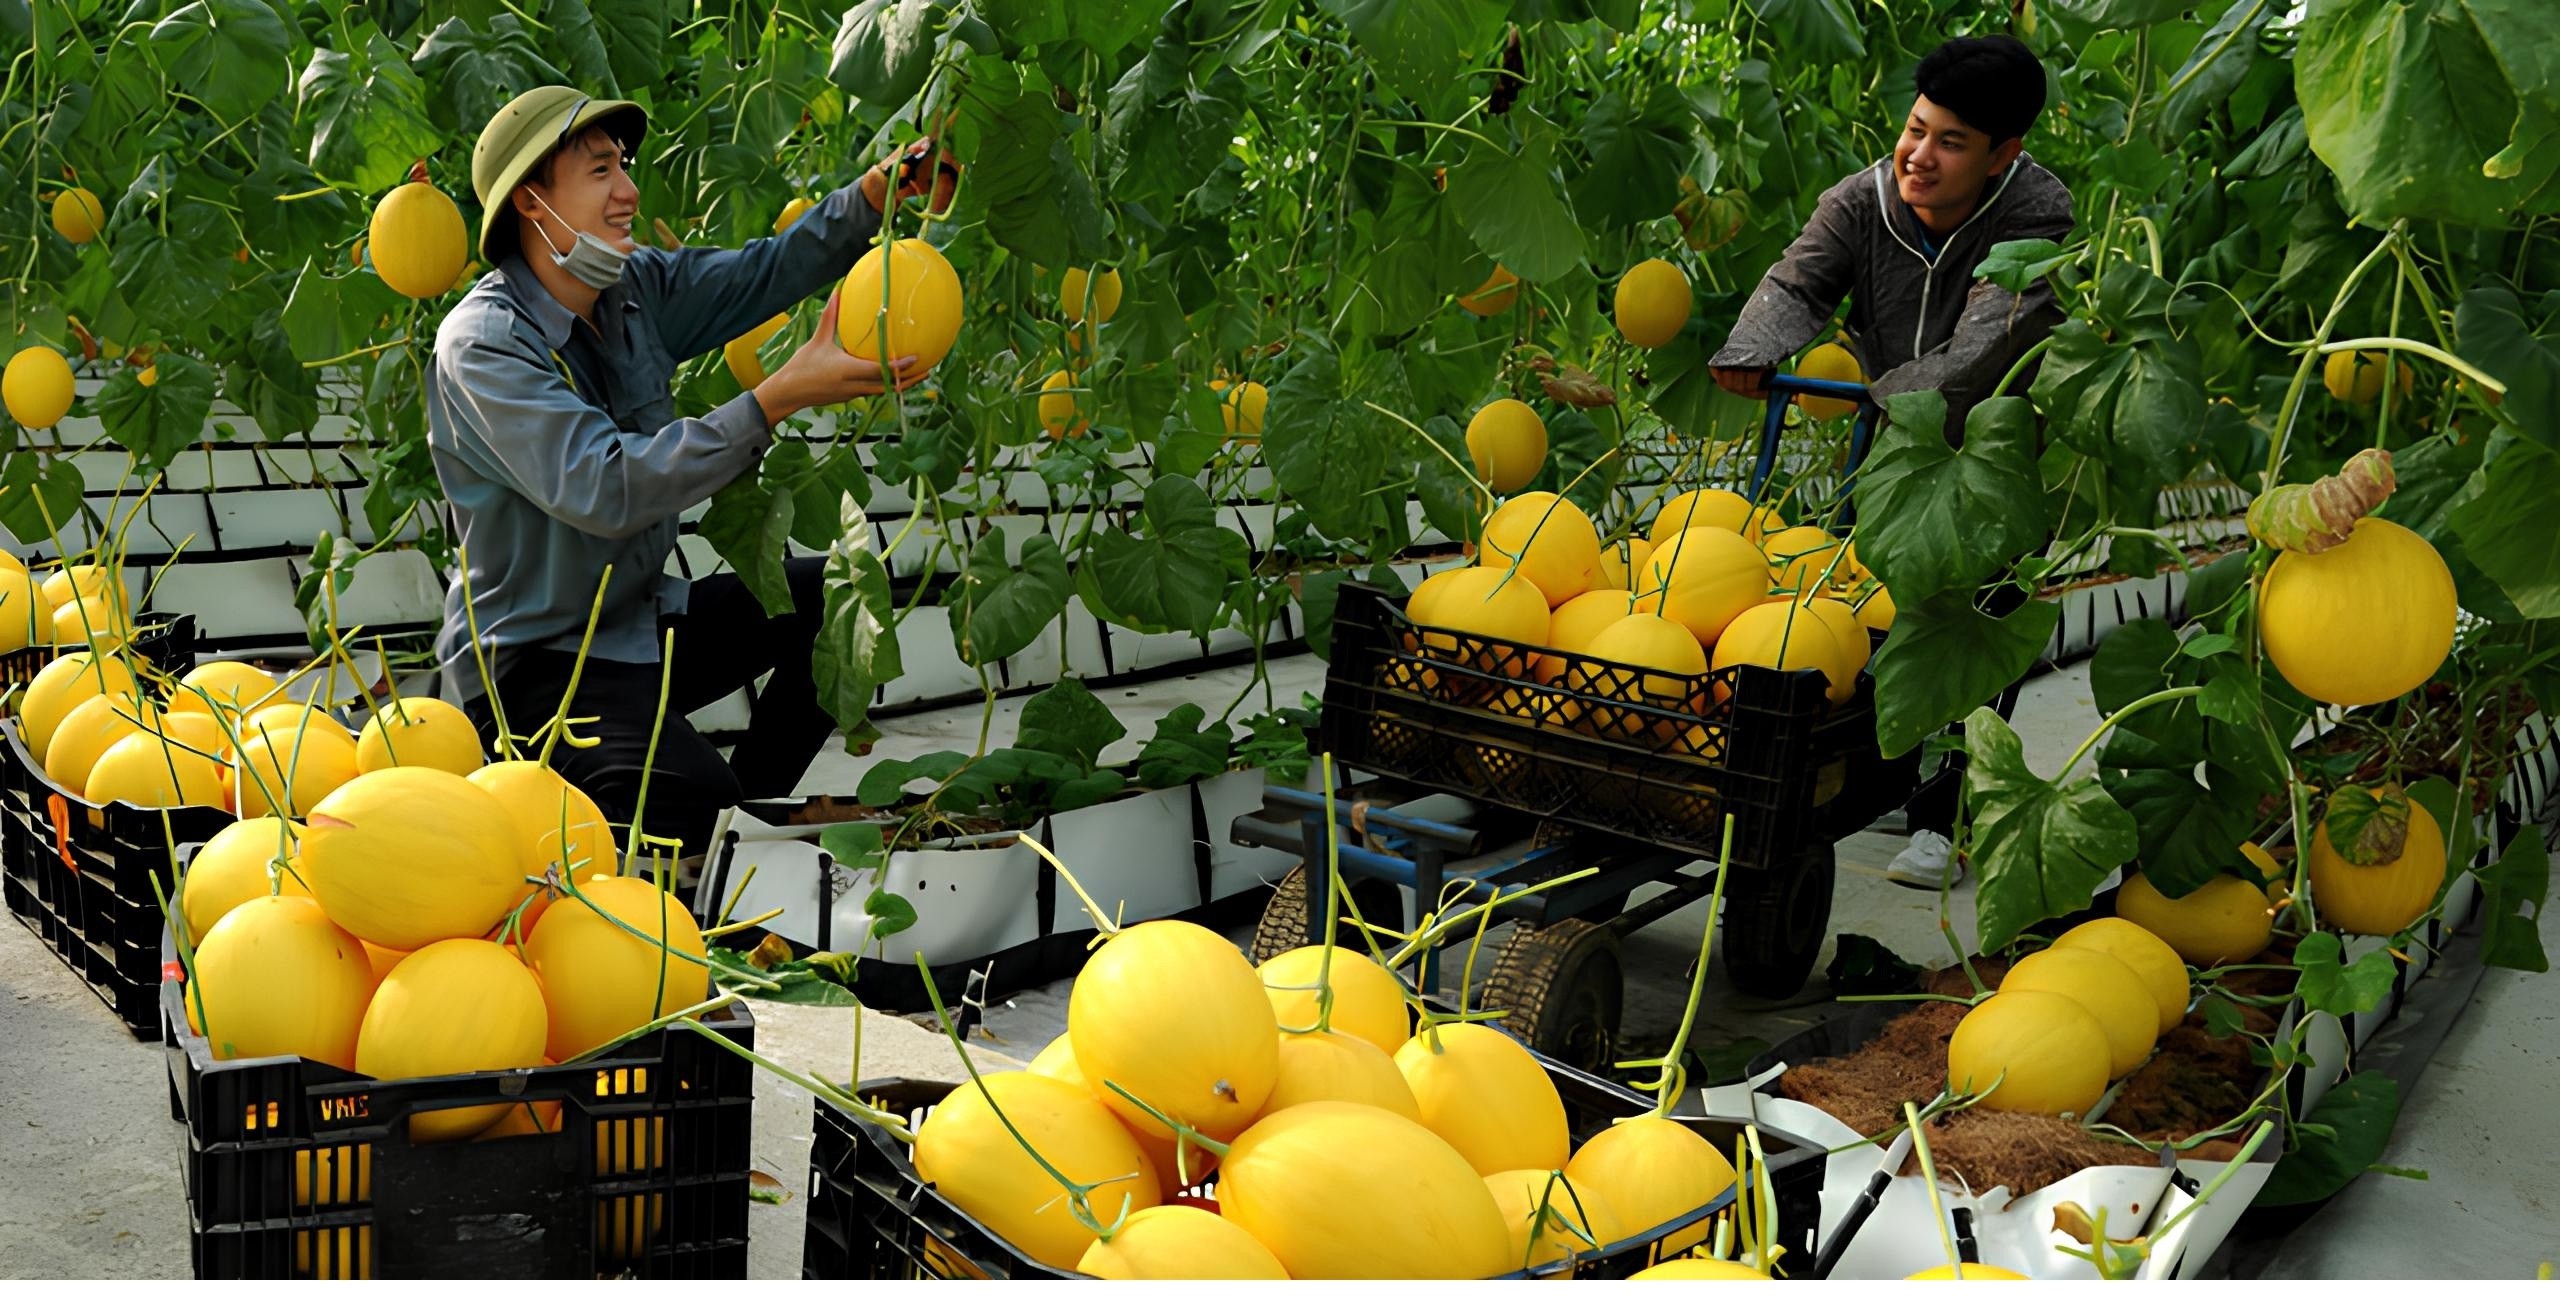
{"x":1993,"y":83}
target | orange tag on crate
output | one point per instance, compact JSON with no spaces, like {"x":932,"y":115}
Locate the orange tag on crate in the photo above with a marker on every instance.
{"x":173,"y":972}
{"x":60,"y":812}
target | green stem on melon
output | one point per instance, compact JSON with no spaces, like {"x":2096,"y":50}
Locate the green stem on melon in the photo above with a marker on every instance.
{"x":2291,"y":405}
{"x":556,"y":729}
{"x":649,"y":761}
{"x":480,"y":656}
{"x":819,"y":1089}
{"x":2443,"y":357}
{"x":2138,"y":704}
{"x":1182,"y":1133}
{"x":710,"y":1004}
{"x":1668,"y":1084}
{"x":1466,"y":468}
{"x":1106,"y":924}
{"x":1929,"y":1176}
{"x":1077,"y":1201}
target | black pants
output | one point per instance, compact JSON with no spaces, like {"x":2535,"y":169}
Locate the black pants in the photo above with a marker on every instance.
{"x":723,"y":642}
{"x":1933,"y":807}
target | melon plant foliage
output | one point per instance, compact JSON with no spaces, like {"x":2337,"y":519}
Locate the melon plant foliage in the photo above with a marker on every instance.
{"x":1296,"y":191}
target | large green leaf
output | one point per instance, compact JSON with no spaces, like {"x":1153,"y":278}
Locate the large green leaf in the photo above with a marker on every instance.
{"x":575,"y":34}
{"x":2126,"y":389}
{"x":635,"y":42}
{"x":1423,"y":48}
{"x":1159,"y":148}
{"x":326,"y":317}
{"x":857,"y":646}
{"x":2190,"y":833}
{"x":270,"y":384}
{"x":2040,"y":849}
{"x":2341,"y":1137}
{"x":884,"y":50}
{"x":1933,"y":517}
{"x":1068,"y":719}
{"x":1326,"y":448}
{"x":2508,"y":937}
{"x":228,"y":54}
{"x":2221,"y":60}
{"x":1511,"y":205}
{"x":1637,"y":151}
{"x":38,"y":494}
{"x":749,"y":524}
{"x":1816,"y":31}
{"x":2330,"y":984}
{"x":1040,"y":202}
{"x":2506,"y":527}
{"x":999,"y":608}
{"x":477,"y":70}
{"x":2434,"y":109}
{"x":1020,"y":23}
{"x":368,"y":113}
{"x":1108,"y":26}
{"x":156,"y":422}
{"x":1945,"y":658}
{"x":310,"y":222}
{"x":173,"y":271}
{"x":2498,"y":332}
{"x":1174,"y":578}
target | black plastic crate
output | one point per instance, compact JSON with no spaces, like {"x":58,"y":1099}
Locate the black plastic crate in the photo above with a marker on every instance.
{"x":646,"y":1176}
{"x":870,"y":1218}
{"x":163,"y":639}
{"x":1645,"y":755}
{"x":89,"y":870}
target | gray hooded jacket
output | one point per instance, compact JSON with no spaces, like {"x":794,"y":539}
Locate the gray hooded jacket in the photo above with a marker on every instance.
{"x":1917,"y":323}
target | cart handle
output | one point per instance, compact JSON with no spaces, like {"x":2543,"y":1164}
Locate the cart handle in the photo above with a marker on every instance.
{"x":1375,"y":817}
{"x":1785,"y":387}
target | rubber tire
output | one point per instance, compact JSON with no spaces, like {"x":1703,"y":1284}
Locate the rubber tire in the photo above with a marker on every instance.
{"x":1564,"y":986}
{"x":1283,"y":926}
{"x":1775,"y":923}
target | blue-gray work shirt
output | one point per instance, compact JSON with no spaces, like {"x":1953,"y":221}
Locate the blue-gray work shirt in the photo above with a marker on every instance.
{"x":558,"y":444}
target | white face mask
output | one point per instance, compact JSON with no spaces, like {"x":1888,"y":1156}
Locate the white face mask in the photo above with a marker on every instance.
{"x":588,"y":259}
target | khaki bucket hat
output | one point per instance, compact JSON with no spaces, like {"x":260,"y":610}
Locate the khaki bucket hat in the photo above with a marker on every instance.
{"x":522,"y":135}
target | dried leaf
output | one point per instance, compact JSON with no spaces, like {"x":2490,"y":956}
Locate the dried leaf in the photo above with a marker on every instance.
{"x":2316,"y":516}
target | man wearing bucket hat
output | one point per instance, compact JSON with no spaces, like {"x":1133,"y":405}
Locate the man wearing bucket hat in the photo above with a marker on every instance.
{"x":552,"y":422}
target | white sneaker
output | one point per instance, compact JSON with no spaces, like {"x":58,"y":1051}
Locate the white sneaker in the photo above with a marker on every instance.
{"x":1929,"y":862}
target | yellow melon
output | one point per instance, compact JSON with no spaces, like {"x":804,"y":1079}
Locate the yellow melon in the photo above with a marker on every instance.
{"x":233,"y":867}
{"x":1801,"y":558}
{"x":1830,"y":361}
{"x":2225,"y":921}
{"x":37,"y":387}
{"x":2029,"y":1052}
{"x":1652,"y":303}
{"x":1342,"y":1191}
{"x":2363,"y":622}
{"x":1485,"y":601}
{"x":967,"y":1153}
{"x":62,"y":685}
{"x":2152,"y":961}
{"x":417,"y":240}
{"x":560,"y":825}
{"x":1969,"y":1271}
{"x":1241,"y":407}
{"x":406,"y":856}
{"x":603,"y":980}
{"x":1368,"y":999}
{"x":2383,"y":897}
{"x":1548,"y":540}
{"x":274,"y":977}
{"x":78,"y":217}
{"x":419,"y":731}
{"x":2106,"y":987}
{"x":144,"y":769}
{"x":1699,"y":1268}
{"x":21,"y":624}
{"x":87,"y":732}
{"x":1553,"y":1217}
{"x":451,"y":1007}
{"x":1174,"y":1242}
{"x":1061,"y":410}
{"x":1651,"y":1169}
{"x":292,"y":766}
{"x":900,"y":300}
{"x":744,"y":354}
{"x":2355,"y":377}
{"x":222,"y":689}
{"x":1781,"y":635}
{"x":1174,"y":1015}
{"x":1702,"y":579}
{"x":1574,"y":625}
{"x":1622,"y":563}
{"x":1328,"y":1067}
{"x":1507,"y":441}
{"x":1079,"y":284}
{"x":1487,"y":1097}
{"x":1713,"y":507}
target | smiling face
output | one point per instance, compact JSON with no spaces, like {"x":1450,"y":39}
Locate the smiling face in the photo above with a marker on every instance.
{"x":587,"y":190}
{"x":1942,"y":163}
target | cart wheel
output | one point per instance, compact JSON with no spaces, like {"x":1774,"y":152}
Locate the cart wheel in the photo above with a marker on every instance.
{"x":1774,"y":922}
{"x":1284,"y":920}
{"x":1563,"y":987}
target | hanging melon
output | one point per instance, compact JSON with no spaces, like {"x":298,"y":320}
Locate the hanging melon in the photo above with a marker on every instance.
{"x":37,"y":387}
{"x":906,"y":304}
{"x":1652,"y":303}
{"x":417,"y":239}
{"x":1507,"y":442}
{"x":2388,"y":874}
{"x":1080,"y":283}
{"x":2366,"y":621}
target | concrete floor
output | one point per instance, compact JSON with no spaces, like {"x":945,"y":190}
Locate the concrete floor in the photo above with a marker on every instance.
{"x":89,"y":1161}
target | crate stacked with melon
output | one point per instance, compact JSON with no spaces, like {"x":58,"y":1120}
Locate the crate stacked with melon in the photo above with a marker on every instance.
{"x":64,"y":638}
{"x":1335,"y":1141}
{"x":1639,"y":642}
{"x":384,"y":926}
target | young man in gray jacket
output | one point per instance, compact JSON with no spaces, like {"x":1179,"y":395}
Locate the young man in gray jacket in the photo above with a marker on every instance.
{"x":1899,"y":240}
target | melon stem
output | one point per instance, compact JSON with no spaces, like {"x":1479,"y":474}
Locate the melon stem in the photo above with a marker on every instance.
{"x":506,"y":745}
{"x":1182,"y":1133}
{"x":1668,"y":1085}
{"x":558,"y":726}
{"x":1929,"y":1176}
{"x":649,"y":760}
{"x":1078,"y":1201}
{"x":1107,"y":925}
{"x":896,"y":1126}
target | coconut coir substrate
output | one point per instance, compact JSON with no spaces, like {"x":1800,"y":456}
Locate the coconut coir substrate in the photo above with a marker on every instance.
{"x":2193,"y":1083}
